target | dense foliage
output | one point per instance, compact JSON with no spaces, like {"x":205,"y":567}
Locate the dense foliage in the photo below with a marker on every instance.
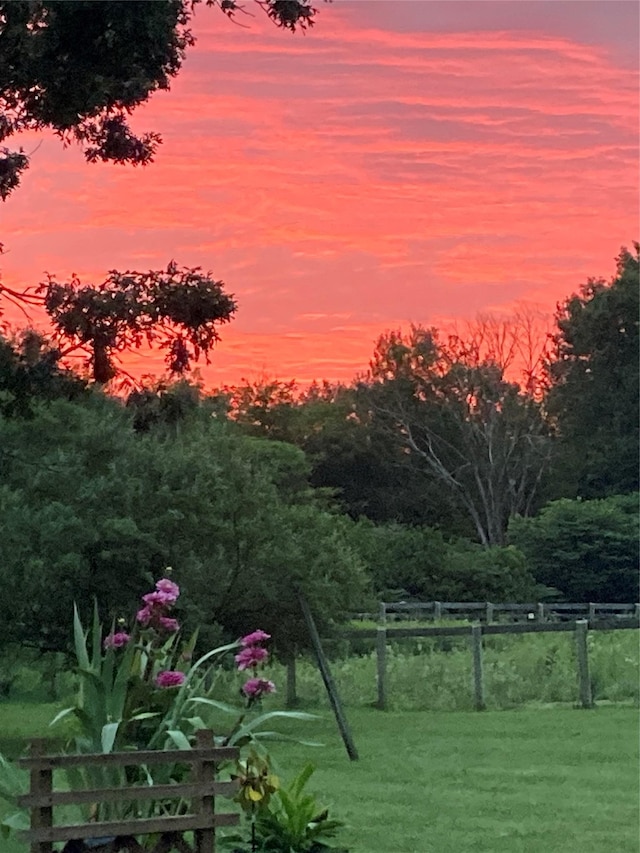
{"x":257,"y":493}
{"x":80,"y":68}
{"x":589,"y":550}
{"x":88,"y":506}
{"x":594,"y":379}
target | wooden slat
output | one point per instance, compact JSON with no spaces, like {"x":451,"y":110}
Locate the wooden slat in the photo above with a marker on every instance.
{"x":139,"y":792}
{"x":532,"y":627}
{"x":169,"y":756}
{"x":181,"y":823}
{"x":614,"y":624}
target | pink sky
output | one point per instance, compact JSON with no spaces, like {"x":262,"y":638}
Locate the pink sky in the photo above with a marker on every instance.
{"x":402,"y":162}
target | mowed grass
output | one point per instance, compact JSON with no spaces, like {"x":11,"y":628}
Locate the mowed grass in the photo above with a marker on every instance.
{"x":525,"y":781}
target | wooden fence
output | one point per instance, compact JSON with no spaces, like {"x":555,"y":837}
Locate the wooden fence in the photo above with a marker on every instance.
{"x":383,"y":635}
{"x":489,"y":612}
{"x":120,"y":835}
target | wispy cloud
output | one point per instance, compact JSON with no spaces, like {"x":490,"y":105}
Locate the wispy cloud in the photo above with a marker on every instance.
{"x":361,"y":173}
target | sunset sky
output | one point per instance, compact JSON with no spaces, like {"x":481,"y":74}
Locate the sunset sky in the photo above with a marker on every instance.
{"x":402,"y":162}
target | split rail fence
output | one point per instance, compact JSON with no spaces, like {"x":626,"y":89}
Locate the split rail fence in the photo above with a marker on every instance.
{"x":475,"y":633}
{"x":121,"y":835}
{"x":489,"y":612}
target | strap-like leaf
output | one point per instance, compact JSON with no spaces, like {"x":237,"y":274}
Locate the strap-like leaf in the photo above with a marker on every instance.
{"x":79,"y":640}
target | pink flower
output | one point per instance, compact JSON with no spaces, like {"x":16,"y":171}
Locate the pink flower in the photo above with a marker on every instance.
{"x":144,"y":616}
{"x":116,"y":641}
{"x":168,"y":588}
{"x":168,"y":624}
{"x":254,"y":688}
{"x":254,"y":638}
{"x":169,"y":678}
{"x":251,"y":656}
{"x":158,"y":599}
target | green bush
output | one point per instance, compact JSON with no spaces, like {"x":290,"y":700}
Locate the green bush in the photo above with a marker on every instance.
{"x":589,"y":550}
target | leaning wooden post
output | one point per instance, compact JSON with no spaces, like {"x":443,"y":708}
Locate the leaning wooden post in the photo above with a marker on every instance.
{"x":478,"y":677}
{"x":41,"y":778}
{"x":323,"y":665}
{"x":381,"y":667}
{"x":582,"y":655}
{"x":205,"y":839}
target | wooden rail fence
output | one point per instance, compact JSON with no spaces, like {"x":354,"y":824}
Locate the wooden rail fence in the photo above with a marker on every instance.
{"x":489,"y":611}
{"x":121,"y":835}
{"x":475,"y":633}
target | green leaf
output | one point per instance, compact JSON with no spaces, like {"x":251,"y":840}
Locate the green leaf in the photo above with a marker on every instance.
{"x":61,"y":715}
{"x":221,"y":706}
{"x":16,"y":822}
{"x":96,"y":638}
{"x":13,"y":780}
{"x":291,"y":715}
{"x":179,"y":738}
{"x":79,"y":640}
{"x":108,"y":736}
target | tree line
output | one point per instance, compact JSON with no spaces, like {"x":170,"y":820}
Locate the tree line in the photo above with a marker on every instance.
{"x":443,"y":472}
{"x":437,"y":474}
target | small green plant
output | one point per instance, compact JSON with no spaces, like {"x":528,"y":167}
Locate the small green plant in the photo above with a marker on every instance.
{"x":140,"y":690}
{"x":283,"y":820}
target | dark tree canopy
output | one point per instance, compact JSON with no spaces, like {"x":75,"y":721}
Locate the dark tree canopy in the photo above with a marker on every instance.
{"x":80,"y":68}
{"x":594,"y":385}
{"x":474,"y":432}
{"x":179,"y":308}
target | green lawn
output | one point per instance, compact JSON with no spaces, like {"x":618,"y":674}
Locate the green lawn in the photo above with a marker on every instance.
{"x":526,"y":781}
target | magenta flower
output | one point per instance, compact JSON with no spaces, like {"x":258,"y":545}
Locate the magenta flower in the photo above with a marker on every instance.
{"x":158,"y":599}
{"x":254,"y":688}
{"x":168,"y":624}
{"x":251,"y":656}
{"x":116,"y":640}
{"x":170,"y":678}
{"x":168,"y":588}
{"x":144,"y":616}
{"x":254,"y":638}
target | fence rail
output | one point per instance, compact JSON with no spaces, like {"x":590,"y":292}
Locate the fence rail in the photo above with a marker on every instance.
{"x":487,"y":610}
{"x":580,"y":628}
{"x":201,"y":790}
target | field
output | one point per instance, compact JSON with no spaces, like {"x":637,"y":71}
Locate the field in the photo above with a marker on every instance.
{"x":523,"y":781}
{"x":436,"y":674}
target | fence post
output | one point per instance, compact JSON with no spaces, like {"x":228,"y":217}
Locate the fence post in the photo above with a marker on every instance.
{"x":205,"y":839}
{"x":40,"y":783}
{"x":592,"y":611}
{"x":382,"y":613}
{"x":582,"y":655}
{"x":478,"y":676}
{"x":540,"y":609}
{"x":489,"y":613}
{"x":637,"y":611}
{"x":437,"y":610}
{"x":381,"y":667}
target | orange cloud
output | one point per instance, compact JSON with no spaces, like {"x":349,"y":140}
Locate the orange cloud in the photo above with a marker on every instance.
{"x":362,"y":173}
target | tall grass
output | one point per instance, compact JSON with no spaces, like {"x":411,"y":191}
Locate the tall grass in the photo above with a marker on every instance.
{"x":435,"y":673}
{"x":520,"y":670}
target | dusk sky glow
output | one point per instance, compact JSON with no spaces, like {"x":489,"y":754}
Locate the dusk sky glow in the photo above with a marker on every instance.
{"x":401,"y":162}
